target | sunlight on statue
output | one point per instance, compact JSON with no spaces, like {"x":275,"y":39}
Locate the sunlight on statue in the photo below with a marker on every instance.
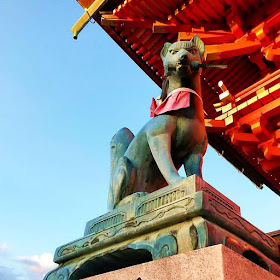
{"x":175,"y":135}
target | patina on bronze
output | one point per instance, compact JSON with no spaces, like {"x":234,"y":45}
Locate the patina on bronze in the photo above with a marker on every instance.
{"x":150,"y":160}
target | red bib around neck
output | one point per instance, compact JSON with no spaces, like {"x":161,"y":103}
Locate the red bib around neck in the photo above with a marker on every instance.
{"x":176,"y":99}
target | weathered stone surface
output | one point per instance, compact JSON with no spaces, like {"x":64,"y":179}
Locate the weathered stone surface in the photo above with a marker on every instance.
{"x":212,"y":263}
{"x":162,"y":197}
{"x":176,"y":219}
{"x":161,"y":209}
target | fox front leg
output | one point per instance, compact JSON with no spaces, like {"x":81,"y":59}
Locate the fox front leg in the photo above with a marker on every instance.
{"x":193,"y":164}
{"x":159,"y":139}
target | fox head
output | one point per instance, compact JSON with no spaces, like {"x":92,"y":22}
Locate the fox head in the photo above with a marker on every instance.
{"x":178,"y":56}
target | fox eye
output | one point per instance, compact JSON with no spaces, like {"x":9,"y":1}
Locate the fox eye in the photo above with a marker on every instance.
{"x":173,"y":51}
{"x":192,"y":51}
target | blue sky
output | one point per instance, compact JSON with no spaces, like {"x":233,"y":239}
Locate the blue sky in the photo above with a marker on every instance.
{"x":61,"y":101}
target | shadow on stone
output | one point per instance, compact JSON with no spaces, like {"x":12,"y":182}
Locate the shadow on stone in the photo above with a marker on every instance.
{"x":111,"y":262}
{"x":253,"y":257}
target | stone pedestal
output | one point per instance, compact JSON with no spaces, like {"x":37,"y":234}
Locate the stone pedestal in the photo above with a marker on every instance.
{"x":179,"y":218}
{"x":212,"y":263}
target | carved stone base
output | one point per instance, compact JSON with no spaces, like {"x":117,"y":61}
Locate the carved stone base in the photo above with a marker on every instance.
{"x":212,"y":263}
{"x":177,"y":219}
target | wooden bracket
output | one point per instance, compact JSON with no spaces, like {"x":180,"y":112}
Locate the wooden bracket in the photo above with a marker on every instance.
{"x":214,"y":125}
{"x":208,"y":37}
{"x":113,"y":20}
{"x":223,"y":51}
{"x":159,"y":27}
{"x":85,"y":18}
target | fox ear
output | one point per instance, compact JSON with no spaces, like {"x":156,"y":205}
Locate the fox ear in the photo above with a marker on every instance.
{"x":200,"y":45}
{"x":164,"y":50}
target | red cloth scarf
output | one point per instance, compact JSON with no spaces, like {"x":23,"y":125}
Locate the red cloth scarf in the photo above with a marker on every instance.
{"x":176,"y":99}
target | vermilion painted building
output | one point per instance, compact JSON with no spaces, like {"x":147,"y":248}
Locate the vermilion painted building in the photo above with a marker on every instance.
{"x":243,"y":119}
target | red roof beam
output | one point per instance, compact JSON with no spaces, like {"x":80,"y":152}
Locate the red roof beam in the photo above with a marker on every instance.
{"x":246,"y":139}
{"x":269,"y":80}
{"x":160,"y":27}
{"x":269,"y":110}
{"x":261,"y":32}
{"x":269,"y":165}
{"x":209,"y":37}
{"x":152,"y":60}
{"x":273,"y":22}
{"x":230,"y":81}
{"x":211,"y":10}
{"x":147,"y":11}
{"x":134,"y":36}
{"x":112,"y":20}
{"x":148,"y":45}
{"x":134,"y":5}
{"x":141,"y":41}
{"x":244,"y":77}
{"x":157,"y":13}
{"x":162,"y":7}
{"x":257,"y":58}
{"x":273,"y":55}
{"x":219,"y":6}
{"x":199,"y":12}
{"x":261,"y":129}
{"x":125,"y":11}
{"x":157,"y":64}
{"x":182,"y":14}
{"x":156,"y":48}
{"x":126,"y":32}
{"x":214,"y":126}
{"x":215,"y":52}
{"x":160,"y":72}
{"x":170,"y":3}
{"x":272,"y":153}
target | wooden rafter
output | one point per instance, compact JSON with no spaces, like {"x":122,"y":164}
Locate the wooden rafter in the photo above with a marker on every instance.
{"x":85,"y":18}
{"x":159,"y":27}
{"x":209,"y":37}
{"x":222,"y":51}
{"x":273,"y":55}
{"x":112,"y":20}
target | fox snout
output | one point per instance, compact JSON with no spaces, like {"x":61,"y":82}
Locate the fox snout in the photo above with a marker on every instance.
{"x":183,"y":57}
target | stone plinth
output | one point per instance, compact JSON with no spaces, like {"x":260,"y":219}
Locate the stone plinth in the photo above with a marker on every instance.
{"x":177,"y":219}
{"x":212,"y":263}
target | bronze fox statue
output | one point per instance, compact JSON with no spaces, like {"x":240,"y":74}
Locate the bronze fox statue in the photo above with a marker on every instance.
{"x":150,"y":160}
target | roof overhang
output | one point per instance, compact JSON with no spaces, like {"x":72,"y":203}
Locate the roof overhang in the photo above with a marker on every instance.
{"x":244,"y":117}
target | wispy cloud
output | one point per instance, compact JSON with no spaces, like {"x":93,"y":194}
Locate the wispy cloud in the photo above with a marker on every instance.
{"x":23,"y":267}
{"x":3,"y":246}
{"x":4,"y":250}
{"x":7,"y":273}
{"x":37,"y":266}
